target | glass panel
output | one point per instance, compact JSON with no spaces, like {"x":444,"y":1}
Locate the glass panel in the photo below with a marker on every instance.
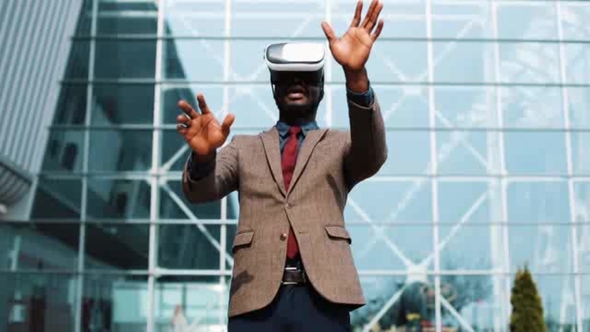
{"x":576,"y":57}
{"x":57,"y":199}
{"x":37,"y":302}
{"x":77,"y":67}
{"x":580,"y":156}
{"x":412,"y":153}
{"x":383,"y":201}
{"x":535,"y":152}
{"x":24,"y":246}
{"x":545,"y":248}
{"x":118,"y":199}
{"x":114,"y":303}
{"x":579,"y":99}
{"x":463,"y":106}
{"x":378,"y":290}
{"x":125,"y":59}
{"x":485,"y":243}
{"x":120,"y":150}
{"x":65,"y":150}
{"x":583,"y":231}
{"x":401,"y":107}
{"x":532,"y":107}
{"x":389,"y":246}
{"x":183,"y":302}
{"x":117,"y":247}
{"x":393,"y":61}
{"x":458,"y":19}
{"x":71,"y":107}
{"x":174,"y":205}
{"x":127,"y":18}
{"x":458,"y":62}
{"x":585,"y":301}
{"x":175,"y":151}
{"x":468,"y":303}
{"x":123,"y":104}
{"x":529,"y":63}
{"x":195,"y":60}
{"x":172,"y":94}
{"x":462,"y":203}
{"x":573,"y":17}
{"x":527,"y":20}
{"x":189,"y":246}
{"x":542,"y":202}
{"x":462,"y":152}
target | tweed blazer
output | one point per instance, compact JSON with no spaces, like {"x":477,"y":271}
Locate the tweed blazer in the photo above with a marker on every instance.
{"x":329,"y":164}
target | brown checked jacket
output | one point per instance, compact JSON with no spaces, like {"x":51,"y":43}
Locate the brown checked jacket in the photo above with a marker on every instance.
{"x":329,"y":164}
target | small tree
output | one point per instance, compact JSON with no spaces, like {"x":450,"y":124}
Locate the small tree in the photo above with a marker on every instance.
{"x":527,"y":308}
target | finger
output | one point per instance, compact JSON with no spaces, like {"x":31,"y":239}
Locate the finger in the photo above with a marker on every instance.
{"x":183,"y":120}
{"x":188,"y":109}
{"x":329,"y":32}
{"x":203,"y":104}
{"x":377,"y":32}
{"x":369,"y":13}
{"x":182,"y":130}
{"x":374,"y":17}
{"x":227,"y":122}
{"x":357,"y":14}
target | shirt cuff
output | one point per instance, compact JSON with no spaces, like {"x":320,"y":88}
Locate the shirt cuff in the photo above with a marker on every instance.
{"x":364,"y":99}
{"x":198,"y":170}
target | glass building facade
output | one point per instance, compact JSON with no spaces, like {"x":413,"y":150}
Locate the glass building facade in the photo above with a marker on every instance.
{"x":486,"y":108}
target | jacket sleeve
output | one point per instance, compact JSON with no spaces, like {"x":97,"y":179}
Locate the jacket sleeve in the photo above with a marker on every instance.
{"x":366,"y":150}
{"x":220,"y":179}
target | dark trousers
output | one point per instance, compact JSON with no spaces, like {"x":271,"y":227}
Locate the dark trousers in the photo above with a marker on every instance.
{"x":295,"y":308}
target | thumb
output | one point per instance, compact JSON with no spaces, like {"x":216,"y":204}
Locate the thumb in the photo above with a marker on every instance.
{"x":329,"y":32}
{"x":227,"y":122}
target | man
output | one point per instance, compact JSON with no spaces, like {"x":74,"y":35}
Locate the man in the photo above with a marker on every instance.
{"x":293,"y":267}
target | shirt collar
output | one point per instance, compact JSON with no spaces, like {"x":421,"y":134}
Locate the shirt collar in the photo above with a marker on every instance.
{"x":283,"y":128}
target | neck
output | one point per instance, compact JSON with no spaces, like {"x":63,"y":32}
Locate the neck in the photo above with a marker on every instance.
{"x":297,"y":121}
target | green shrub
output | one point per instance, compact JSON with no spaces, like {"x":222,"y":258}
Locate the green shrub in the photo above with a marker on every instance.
{"x":527,"y":307}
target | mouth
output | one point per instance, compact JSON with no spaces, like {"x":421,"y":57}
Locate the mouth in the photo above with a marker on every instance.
{"x":296,"y":91}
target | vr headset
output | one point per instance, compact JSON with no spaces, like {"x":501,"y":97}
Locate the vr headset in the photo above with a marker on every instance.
{"x":289,"y":61}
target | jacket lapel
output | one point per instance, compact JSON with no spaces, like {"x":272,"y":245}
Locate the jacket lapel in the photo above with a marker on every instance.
{"x":311,"y":140}
{"x":270,"y":140}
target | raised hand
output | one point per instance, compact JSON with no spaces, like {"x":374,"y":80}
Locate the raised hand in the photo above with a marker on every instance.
{"x":202,"y":132}
{"x":352,"y":50}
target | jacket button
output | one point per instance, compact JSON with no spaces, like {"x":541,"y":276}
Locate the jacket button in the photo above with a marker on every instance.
{"x":288,"y":205}
{"x":283,"y":236}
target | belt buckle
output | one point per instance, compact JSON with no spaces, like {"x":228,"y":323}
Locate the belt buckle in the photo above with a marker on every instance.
{"x":293,"y":268}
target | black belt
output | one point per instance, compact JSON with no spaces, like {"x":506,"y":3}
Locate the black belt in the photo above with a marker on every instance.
{"x":293,"y":276}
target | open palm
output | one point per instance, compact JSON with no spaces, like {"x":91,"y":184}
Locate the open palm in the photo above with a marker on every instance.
{"x":352,"y":50}
{"x":203,"y":133}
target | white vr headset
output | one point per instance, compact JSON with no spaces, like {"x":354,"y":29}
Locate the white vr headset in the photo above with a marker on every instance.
{"x":304,"y":60}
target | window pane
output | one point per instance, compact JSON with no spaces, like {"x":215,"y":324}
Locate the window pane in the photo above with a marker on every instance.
{"x":65,"y":150}
{"x":189,"y":246}
{"x":38,"y":302}
{"x":114,"y":302}
{"x":535,"y":152}
{"x":117,"y":247}
{"x":71,"y":107}
{"x":127,"y":18}
{"x":123,"y":104}
{"x":57,"y":199}
{"x":25,"y":244}
{"x":125,"y":59}
{"x":389,"y":247}
{"x":118,"y":199}
{"x":120,"y":150}
{"x":193,"y":299}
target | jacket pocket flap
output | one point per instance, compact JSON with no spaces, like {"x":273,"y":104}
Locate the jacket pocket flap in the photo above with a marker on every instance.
{"x":242,"y":239}
{"x":338,"y":232}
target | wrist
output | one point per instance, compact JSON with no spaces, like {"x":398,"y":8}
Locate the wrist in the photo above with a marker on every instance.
{"x":357,"y":80}
{"x":204,"y":158}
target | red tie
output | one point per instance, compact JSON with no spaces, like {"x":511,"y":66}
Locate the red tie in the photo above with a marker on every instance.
{"x":288,"y":163}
